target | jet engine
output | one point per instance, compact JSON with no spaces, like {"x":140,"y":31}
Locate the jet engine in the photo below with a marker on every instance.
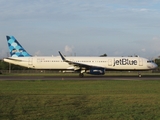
{"x":96,"y":71}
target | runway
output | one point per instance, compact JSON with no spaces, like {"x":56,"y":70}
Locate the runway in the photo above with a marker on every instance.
{"x":77,"y":78}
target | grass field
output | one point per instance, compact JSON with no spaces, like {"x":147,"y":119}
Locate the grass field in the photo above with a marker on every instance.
{"x":79,"y":100}
{"x":108,"y":73}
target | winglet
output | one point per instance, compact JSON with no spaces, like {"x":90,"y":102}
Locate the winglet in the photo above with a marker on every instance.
{"x":62,"y":56}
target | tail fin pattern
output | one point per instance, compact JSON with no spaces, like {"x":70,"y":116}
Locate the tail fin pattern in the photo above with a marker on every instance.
{"x":16,"y":50}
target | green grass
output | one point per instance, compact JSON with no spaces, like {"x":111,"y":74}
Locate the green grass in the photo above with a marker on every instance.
{"x":108,"y":73}
{"x":79,"y":100}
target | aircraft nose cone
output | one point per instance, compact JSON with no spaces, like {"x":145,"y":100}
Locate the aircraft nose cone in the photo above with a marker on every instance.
{"x":155,"y":65}
{"x":152,"y":66}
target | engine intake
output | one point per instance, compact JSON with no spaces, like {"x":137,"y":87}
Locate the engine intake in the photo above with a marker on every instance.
{"x":96,"y":71}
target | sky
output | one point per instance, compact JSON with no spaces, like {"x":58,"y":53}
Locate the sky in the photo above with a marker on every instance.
{"x":82,"y":27}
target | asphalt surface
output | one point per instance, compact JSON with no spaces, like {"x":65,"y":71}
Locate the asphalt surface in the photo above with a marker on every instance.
{"x":77,"y":78}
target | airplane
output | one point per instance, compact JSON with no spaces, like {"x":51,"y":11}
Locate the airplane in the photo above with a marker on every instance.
{"x":90,"y":65}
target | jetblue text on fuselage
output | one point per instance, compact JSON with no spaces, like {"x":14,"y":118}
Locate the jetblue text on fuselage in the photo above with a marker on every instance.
{"x":124,"y":61}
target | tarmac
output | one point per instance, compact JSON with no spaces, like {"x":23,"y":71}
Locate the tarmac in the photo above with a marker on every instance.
{"x":19,"y":78}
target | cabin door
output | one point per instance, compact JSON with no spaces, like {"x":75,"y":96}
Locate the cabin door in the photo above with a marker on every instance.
{"x":140,"y":62}
{"x":30,"y":61}
{"x":110,"y":62}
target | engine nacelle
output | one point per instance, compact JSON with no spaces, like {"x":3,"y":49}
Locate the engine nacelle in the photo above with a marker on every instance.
{"x":96,"y":71}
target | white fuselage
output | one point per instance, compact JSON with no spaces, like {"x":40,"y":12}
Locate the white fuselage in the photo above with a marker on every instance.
{"x":109,"y":63}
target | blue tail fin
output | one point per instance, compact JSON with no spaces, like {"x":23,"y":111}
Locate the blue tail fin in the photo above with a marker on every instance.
{"x":16,"y":50}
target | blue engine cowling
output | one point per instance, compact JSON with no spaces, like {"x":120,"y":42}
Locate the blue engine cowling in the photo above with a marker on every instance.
{"x":97,"y":71}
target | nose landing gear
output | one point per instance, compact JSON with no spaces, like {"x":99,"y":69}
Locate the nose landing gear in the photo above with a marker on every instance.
{"x":139,"y":74}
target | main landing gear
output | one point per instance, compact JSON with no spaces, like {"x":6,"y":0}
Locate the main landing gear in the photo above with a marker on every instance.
{"x":81,"y":75}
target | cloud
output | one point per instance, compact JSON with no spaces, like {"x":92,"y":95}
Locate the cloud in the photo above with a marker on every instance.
{"x":155,"y":42}
{"x":18,"y":9}
{"x":84,"y":24}
{"x":68,"y":49}
{"x":151,"y":47}
{"x":118,"y":53}
{"x":140,"y":10}
{"x":38,"y":53}
{"x":143,"y":50}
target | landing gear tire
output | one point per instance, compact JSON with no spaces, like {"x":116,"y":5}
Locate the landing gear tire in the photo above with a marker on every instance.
{"x":81,"y":75}
{"x":139,"y":75}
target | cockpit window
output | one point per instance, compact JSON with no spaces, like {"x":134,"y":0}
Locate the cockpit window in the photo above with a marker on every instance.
{"x":150,"y":61}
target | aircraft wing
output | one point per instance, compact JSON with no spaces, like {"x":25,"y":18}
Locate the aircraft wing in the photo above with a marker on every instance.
{"x":81,"y":65}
